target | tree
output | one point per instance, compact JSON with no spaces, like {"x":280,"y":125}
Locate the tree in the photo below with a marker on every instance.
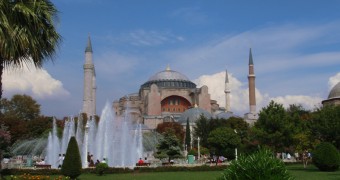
{"x":168,"y":146}
{"x":202,"y":130}
{"x":18,"y":129}
{"x":39,"y":127}
{"x":5,"y":139}
{"x":325,"y":124}
{"x":22,"y":107}
{"x":223,"y":138}
{"x":72,"y":163}
{"x":273,"y":128}
{"x":187,"y":136}
{"x":175,"y":126}
{"x":27,"y":33}
{"x":326,"y":157}
{"x":241,"y":126}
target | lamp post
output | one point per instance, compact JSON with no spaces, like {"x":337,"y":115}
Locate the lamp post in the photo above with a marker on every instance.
{"x":198,"y":148}
{"x":235,"y":147}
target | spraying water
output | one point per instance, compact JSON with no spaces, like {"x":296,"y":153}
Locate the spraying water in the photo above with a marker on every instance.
{"x":114,"y":139}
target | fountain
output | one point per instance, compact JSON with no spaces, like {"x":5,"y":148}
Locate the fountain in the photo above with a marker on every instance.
{"x":114,"y":138}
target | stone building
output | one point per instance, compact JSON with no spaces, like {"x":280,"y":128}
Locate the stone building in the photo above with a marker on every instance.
{"x":166,"y":96}
{"x":163,"y":97}
{"x":170,"y":96}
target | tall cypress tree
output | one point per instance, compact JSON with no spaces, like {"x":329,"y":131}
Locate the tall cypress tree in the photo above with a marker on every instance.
{"x":72,"y":163}
{"x":187,"y":136}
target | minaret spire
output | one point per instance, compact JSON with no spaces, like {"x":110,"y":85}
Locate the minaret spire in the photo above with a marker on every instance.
{"x":250,"y":58}
{"x":89,"y":45}
{"x":227,"y":92}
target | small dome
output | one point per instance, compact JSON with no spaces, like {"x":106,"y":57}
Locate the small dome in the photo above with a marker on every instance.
{"x":193,"y":114}
{"x":335,"y":92}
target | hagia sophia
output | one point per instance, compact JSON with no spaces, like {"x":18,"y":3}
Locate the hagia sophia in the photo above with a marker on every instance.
{"x":170,"y":96}
{"x":167,"y":96}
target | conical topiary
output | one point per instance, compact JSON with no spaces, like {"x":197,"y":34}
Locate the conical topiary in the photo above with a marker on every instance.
{"x":72,"y":163}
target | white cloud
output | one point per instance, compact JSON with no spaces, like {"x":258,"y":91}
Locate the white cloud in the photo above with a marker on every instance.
{"x":308,"y":102}
{"x":240,"y":95}
{"x":145,"y":38}
{"x":334,"y":80}
{"x":30,"y":80}
{"x":275,"y":49}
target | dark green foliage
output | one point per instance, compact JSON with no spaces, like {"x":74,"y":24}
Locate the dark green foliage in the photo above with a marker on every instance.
{"x":22,"y":107}
{"x":72,"y":164}
{"x":101,"y":168}
{"x":257,"y":166}
{"x":326,"y":125}
{"x":175,"y":126}
{"x":187,"y":135}
{"x":204,"y":126}
{"x":273,"y":128}
{"x":223,"y":138}
{"x":202,"y":130}
{"x":326,"y":157}
{"x":168,"y":146}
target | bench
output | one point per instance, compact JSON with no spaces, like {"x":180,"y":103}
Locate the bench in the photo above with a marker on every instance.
{"x":42,"y":166}
{"x":143,"y":164}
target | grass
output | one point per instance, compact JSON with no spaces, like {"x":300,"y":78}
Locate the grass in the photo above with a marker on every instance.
{"x":297,"y":170}
{"x":206,"y":175}
{"x":311,"y":173}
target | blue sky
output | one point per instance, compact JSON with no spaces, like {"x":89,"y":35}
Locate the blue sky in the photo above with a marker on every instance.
{"x":295,"y":44}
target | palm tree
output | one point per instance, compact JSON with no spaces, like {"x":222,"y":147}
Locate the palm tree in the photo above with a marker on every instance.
{"x":27,"y":33}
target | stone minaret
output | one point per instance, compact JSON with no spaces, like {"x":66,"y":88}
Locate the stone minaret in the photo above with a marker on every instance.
{"x":89,"y":100}
{"x":251,"y":82}
{"x":251,"y":117}
{"x":227,"y":92}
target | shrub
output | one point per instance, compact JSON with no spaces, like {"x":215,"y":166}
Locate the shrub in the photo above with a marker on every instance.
{"x":72,"y":164}
{"x":257,"y":166}
{"x":326,"y":157}
{"x":101,"y":168}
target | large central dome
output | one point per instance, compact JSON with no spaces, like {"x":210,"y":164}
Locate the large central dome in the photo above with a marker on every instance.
{"x":168,"y":75}
{"x":170,"y":79}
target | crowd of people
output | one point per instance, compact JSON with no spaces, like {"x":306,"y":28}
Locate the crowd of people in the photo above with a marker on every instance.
{"x":91,"y":162}
{"x":304,"y":157}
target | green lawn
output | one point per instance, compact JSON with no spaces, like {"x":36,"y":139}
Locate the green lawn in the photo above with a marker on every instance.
{"x":206,"y":175}
{"x":297,"y":170}
{"x":311,"y":173}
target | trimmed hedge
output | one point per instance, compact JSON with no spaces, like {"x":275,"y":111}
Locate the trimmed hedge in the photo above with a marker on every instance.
{"x":326,"y":157}
{"x":101,"y":168}
{"x":112,"y":170}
